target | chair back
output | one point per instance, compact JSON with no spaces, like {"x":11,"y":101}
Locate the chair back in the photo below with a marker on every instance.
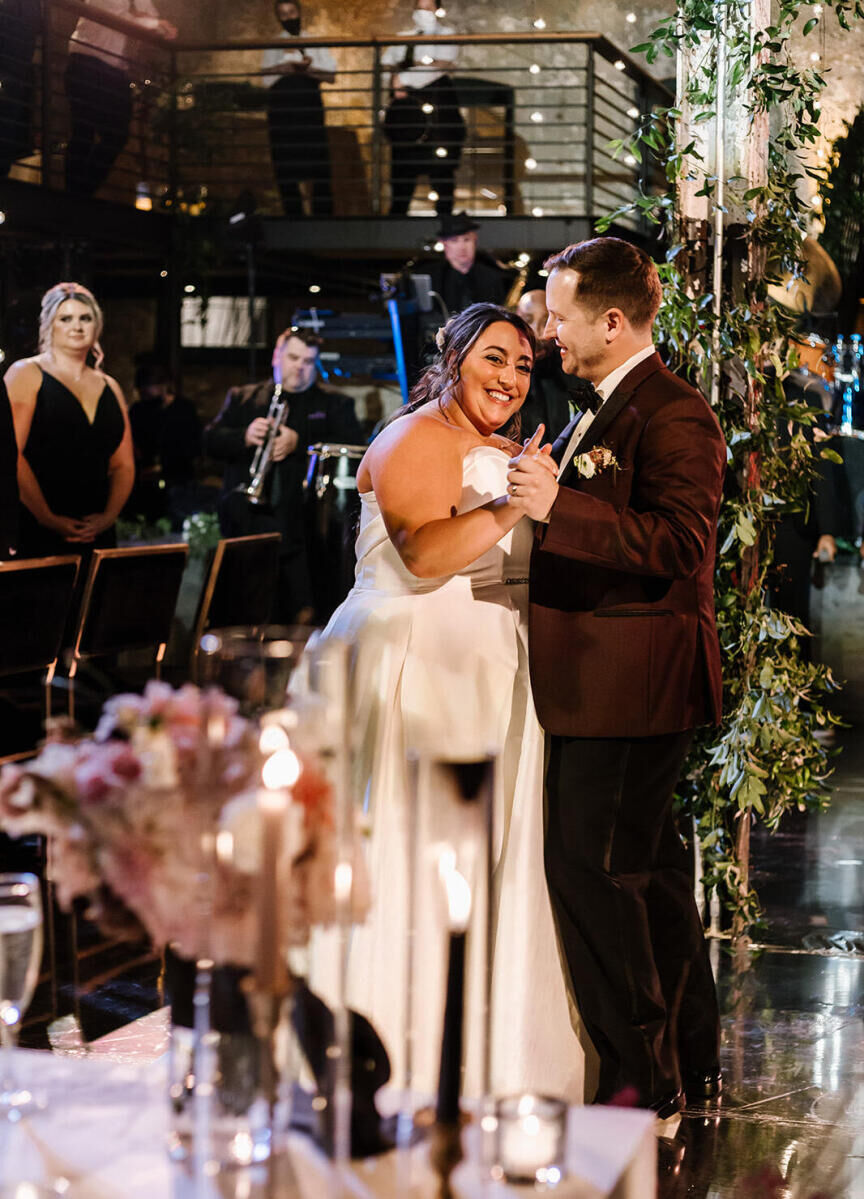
{"x":240,"y":586}
{"x":35,"y":598}
{"x":129,"y":600}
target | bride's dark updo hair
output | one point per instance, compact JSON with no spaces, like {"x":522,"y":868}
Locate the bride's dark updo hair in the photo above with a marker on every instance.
{"x":454,"y":341}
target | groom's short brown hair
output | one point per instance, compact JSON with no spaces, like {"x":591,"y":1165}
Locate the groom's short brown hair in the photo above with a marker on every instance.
{"x":613,"y":273}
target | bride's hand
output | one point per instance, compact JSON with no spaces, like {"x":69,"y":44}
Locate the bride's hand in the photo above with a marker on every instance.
{"x":533,"y":478}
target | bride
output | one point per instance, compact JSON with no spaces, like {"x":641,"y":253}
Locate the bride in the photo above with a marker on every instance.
{"x":437,"y":624}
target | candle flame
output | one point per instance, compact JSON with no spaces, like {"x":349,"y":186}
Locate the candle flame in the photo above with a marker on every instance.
{"x":342,"y":880}
{"x":273,"y":737}
{"x":281,"y":769}
{"x":225,"y":846}
{"x":458,"y":898}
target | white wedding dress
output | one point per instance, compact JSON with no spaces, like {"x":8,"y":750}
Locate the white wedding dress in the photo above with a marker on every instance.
{"x":440,"y":665}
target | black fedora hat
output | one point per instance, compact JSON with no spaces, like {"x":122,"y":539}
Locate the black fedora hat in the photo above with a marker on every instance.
{"x":455,"y":225}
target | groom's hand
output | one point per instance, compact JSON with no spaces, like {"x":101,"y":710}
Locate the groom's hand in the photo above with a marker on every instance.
{"x":532,"y":478}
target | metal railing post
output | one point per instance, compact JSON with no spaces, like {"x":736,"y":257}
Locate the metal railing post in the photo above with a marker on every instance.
{"x":377,"y":140}
{"x":50,"y":174}
{"x":173,"y":153}
{"x":589,"y":138}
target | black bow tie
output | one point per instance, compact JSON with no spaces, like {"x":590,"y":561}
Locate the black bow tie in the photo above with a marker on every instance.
{"x":584,"y":395}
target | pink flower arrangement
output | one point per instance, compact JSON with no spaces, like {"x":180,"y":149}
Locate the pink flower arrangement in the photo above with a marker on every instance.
{"x":136,"y":808}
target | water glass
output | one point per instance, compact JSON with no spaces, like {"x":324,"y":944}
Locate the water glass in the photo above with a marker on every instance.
{"x":20,"y":955}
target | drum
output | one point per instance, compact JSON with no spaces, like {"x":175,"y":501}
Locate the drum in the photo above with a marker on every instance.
{"x":815,"y":355}
{"x":333,"y":508}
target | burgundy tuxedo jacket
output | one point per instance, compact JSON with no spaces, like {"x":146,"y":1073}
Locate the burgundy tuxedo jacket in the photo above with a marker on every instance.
{"x":623,"y":641}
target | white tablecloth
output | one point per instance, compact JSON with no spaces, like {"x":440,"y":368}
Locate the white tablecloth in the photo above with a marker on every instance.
{"x":104,"y":1131}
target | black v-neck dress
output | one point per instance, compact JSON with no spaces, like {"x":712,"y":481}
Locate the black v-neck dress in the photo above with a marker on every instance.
{"x":70,"y":457}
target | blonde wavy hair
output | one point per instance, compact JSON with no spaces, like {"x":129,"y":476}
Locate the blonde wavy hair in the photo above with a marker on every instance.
{"x":51,"y":301}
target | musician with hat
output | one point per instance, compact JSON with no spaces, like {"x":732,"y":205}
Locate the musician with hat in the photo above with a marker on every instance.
{"x":250,"y":421}
{"x":465,"y":275}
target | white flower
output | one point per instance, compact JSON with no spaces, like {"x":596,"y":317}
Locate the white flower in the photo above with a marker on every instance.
{"x":585,"y":466}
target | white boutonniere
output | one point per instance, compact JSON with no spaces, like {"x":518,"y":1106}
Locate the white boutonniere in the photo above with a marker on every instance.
{"x":595,"y":462}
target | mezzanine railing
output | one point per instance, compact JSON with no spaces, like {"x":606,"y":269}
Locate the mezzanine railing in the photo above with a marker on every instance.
{"x":540,"y":111}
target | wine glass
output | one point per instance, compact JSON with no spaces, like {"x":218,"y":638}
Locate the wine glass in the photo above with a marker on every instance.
{"x":20,"y":955}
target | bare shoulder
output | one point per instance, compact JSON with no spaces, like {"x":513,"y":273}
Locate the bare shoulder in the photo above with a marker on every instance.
{"x":416,"y":446}
{"x":23,"y":380}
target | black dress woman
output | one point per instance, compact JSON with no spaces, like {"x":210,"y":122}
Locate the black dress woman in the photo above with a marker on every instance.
{"x":75,"y":461}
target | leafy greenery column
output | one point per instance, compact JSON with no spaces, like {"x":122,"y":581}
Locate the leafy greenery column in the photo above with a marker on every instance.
{"x":764,"y":759}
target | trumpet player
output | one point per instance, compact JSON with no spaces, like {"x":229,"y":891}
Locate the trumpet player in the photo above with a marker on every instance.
{"x":310,"y":413}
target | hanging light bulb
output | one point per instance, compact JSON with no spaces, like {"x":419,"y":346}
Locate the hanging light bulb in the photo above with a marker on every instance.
{"x":539,"y":23}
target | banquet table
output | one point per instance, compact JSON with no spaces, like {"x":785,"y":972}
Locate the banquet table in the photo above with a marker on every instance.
{"x":103,"y":1135}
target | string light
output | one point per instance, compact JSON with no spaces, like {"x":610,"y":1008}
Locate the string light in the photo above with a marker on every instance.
{"x":630,"y":18}
{"x":441,"y":151}
{"x":433,"y":196}
{"x":537,"y":211}
{"x":2,"y":218}
{"x":539,"y":23}
{"x":633,"y":113}
{"x":427,"y":60}
{"x":440,"y":13}
{"x":534,"y":69}
{"x":530,"y":164}
{"x":314,"y":288}
{"x":189,"y":288}
{"x":544,"y":274}
{"x":427,"y":108}
{"x":814,"y":57}
{"x":537,"y":117}
{"x":163,"y":274}
{"x":620,"y":64}
{"x":630,"y":160}
{"x":490,"y":195}
{"x":439,"y":246}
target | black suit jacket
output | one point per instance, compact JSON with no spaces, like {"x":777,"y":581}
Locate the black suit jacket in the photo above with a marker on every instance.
{"x":315,"y":414}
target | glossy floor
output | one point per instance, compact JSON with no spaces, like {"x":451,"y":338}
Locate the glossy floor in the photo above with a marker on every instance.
{"x":791,"y":1121}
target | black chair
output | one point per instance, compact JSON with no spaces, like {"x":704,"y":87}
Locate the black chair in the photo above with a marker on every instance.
{"x":129,"y":602}
{"x":35,"y":598}
{"x":240,"y":586}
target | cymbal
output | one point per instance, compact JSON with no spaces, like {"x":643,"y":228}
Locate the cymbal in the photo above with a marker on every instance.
{"x":818,"y":293}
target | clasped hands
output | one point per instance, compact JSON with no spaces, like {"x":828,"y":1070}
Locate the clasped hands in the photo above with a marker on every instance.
{"x":81,"y":528}
{"x":284,"y":443}
{"x":532,"y":478}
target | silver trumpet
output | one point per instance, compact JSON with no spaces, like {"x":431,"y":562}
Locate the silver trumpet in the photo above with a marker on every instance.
{"x":259,"y":468}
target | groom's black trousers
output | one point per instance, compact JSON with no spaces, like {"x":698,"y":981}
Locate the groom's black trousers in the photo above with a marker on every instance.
{"x":621,"y":885}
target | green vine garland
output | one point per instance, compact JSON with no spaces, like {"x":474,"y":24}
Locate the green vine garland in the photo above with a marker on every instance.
{"x":765,"y":758}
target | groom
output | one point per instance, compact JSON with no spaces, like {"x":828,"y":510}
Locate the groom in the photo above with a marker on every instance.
{"x":625,"y":663}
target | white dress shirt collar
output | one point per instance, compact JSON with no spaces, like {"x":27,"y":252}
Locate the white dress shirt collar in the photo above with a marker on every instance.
{"x":607,"y":386}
